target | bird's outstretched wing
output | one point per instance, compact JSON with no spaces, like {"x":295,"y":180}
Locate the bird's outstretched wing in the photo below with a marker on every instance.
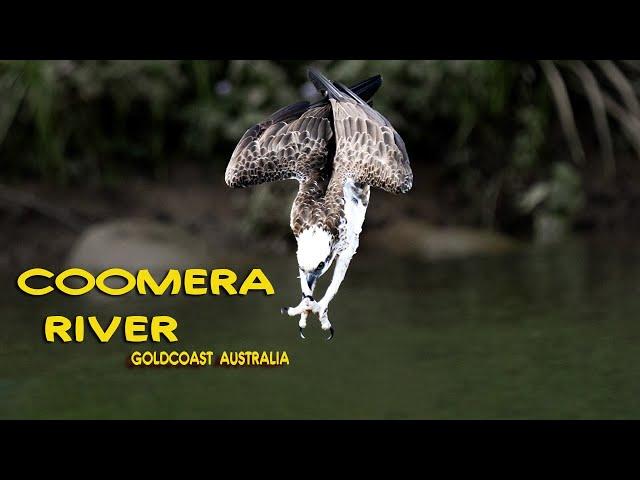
{"x":288,"y":145}
{"x":368,"y":148}
{"x":291,"y":144}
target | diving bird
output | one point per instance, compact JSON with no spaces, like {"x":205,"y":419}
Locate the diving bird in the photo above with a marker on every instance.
{"x":336,"y":149}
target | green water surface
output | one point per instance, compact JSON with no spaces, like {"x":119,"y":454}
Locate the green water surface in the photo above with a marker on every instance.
{"x":544,"y":333}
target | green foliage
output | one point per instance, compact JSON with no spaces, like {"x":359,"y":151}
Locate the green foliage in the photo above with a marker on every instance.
{"x":481,"y":126}
{"x":93,"y":120}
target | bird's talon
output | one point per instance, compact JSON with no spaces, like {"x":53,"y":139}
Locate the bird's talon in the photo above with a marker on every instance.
{"x":284,"y":310}
{"x":301,"y":332}
{"x":331,"y":332}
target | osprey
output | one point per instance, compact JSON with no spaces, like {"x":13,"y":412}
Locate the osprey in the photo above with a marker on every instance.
{"x":336,"y":149}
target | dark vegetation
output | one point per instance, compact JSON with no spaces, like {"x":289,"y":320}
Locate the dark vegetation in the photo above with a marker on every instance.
{"x":500,"y":144}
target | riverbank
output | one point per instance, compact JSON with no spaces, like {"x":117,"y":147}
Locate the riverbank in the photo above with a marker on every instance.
{"x":196,"y":217}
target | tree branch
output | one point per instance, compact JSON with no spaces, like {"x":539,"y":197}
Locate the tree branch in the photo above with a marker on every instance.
{"x":563,"y":104}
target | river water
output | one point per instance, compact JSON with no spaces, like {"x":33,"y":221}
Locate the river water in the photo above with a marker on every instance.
{"x":541,"y":333}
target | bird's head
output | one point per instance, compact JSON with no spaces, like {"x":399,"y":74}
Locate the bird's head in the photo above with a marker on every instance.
{"x":316,"y":251}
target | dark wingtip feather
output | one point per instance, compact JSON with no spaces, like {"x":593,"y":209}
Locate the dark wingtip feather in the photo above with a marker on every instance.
{"x":323,"y":83}
{"x":289,"y":112}
{"x":366,"y":88}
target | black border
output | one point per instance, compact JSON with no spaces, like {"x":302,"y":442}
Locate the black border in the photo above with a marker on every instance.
{"x":302,"y":31}
{"x":397,"y":448}
{"x":505,"y":433}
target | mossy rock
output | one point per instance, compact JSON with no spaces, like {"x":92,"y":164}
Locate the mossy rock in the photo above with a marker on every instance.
{"x":135,"y":244}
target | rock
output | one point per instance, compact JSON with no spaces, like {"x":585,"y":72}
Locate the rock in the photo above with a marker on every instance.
{"x":417,"y":239}
{"x":135,"y":244}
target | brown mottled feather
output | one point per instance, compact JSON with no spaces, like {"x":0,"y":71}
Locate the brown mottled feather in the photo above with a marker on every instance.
{"x":368,"y":149}
{"x":281,"y":149}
